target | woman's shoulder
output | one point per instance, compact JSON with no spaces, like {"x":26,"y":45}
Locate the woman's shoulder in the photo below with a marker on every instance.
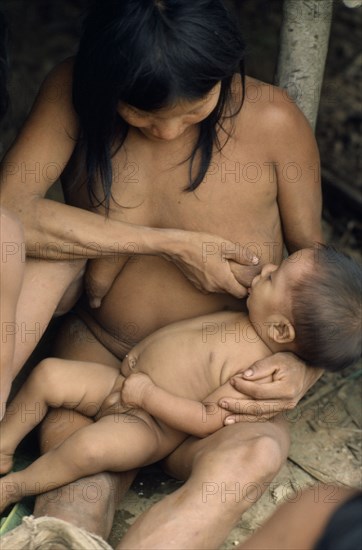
{"x":64,"y":68}
{"x":54,"y":105}
{"x":270,"y":106}
{"x":57,"y":85}
{"x":270,"y":116}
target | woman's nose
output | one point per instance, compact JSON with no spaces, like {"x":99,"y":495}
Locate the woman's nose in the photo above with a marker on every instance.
{"x":168,"y":131}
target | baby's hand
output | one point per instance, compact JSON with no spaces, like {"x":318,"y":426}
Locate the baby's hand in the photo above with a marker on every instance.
{"x":135,"y":389}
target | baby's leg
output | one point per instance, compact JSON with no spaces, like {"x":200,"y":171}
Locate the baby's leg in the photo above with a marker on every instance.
{"x":58,"y":383}
{"x":114,"y":443}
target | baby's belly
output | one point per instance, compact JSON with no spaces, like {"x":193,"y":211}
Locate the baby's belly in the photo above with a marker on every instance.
{"x":149,"y":293}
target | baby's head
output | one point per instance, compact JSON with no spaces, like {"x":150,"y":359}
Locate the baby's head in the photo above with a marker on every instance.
{"x":311,"y":305}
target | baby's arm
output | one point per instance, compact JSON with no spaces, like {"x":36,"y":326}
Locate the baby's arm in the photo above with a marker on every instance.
{"x":187,"y":415}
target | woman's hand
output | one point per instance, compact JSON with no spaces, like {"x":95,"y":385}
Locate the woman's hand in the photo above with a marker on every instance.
{"x":210,"y":263}
{"x":291,"y":379}
{"x":213,"y":264}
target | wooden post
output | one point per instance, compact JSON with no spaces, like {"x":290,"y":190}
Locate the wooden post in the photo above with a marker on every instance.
{"x":353,"y":3}
{"x":303,"y":50}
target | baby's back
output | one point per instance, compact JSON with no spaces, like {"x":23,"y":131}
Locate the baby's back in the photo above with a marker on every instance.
{"x":194,"y":357}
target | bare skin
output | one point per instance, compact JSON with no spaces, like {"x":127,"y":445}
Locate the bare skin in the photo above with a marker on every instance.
{"x":271,"y":138}
{"x":144,"y":410}
{"x":24,"y":286}
{"x":299,"y":524}
{"x":181,"y":401}
{"x":34,"y":290}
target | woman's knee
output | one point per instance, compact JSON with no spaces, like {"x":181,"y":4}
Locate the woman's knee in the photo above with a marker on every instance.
{"x":264,"y":455}
{"x":258,"y":456}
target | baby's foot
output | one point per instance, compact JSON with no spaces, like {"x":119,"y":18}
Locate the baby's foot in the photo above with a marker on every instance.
{"x":6,"y":462}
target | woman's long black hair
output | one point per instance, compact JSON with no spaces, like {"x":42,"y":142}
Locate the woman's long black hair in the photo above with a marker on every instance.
{"x":149,"y":54}
{"x":4,"y":96}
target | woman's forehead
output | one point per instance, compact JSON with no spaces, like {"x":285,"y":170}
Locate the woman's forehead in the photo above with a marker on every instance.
{"x":182,"y":105}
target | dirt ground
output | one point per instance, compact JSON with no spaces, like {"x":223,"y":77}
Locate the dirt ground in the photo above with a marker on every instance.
{"x":326,"y":426}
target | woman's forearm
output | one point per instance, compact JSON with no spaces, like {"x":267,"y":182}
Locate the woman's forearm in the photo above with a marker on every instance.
{"x":56,"y":231}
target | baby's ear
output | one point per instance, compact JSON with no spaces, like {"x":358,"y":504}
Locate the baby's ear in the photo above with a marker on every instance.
{"x":281,"y":330}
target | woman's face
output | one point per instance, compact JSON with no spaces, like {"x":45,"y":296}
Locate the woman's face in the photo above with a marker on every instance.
{"x":170,"y":123}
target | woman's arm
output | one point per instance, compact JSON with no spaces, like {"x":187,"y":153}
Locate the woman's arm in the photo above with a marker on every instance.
{"x":54,"y":230}
{"x":57,"y":231}
{"x":294,"y":152}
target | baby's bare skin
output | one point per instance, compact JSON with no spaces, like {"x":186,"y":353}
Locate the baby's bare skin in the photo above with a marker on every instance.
{"x":190,"y":360}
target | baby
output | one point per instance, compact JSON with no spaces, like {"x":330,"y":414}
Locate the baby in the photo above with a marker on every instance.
{"x":170,"y":384}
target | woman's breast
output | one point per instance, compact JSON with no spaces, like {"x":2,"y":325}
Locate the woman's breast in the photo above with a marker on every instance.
{"x":150,"y":293}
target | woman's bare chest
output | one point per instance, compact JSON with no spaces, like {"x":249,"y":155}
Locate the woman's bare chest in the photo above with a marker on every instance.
{"x":150,"y":186}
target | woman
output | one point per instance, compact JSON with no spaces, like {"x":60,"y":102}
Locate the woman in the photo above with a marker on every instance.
{"x":154,"y":124}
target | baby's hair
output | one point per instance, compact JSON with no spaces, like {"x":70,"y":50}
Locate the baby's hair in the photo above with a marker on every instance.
{"x":326,"y":310}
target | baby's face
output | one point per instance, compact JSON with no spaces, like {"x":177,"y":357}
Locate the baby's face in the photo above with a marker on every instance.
{"x":269,"y":292}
